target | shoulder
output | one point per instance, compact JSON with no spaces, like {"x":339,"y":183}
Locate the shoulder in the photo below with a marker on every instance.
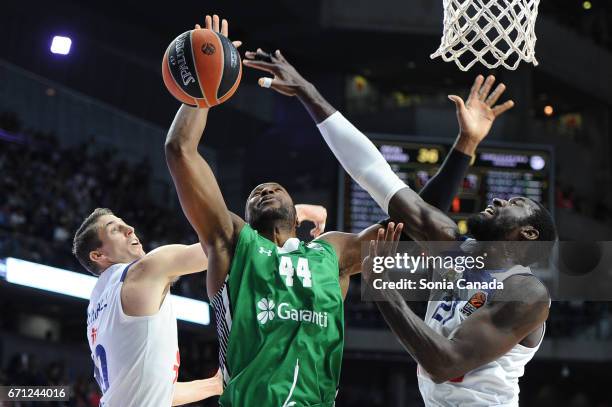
{"x":342,"y":239}
{"x":525,"y":288}
{"x":321,"y":245}
{"x":339,"y":241}
{"x":136,"y":269}
{"x":524,"y":300}
{"x":238,"y":223}
{"x":334,"y":237}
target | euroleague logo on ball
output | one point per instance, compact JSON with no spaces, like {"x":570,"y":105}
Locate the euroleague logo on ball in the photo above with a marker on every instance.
{"x":208,"y":48}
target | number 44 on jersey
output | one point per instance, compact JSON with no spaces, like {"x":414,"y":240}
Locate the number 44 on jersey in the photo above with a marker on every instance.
{"x":287,"y":270}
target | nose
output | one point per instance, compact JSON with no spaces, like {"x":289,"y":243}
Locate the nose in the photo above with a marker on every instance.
{"x":129,"y":231}
{"x":266,"y":191}
{"x":499,"y":202}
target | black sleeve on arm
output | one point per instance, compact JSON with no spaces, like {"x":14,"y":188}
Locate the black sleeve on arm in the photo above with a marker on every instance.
{"x":442,"y":187}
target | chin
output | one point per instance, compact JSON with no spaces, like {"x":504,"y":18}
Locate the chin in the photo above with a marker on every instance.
{"x":272,"y":212}
{"x":485,"y":228}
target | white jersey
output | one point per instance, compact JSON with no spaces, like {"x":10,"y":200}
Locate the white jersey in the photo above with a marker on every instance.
{"x":493,"y":384}
{"x":136,"y":359}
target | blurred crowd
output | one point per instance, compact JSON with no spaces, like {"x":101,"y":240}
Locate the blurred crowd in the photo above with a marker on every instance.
{"x":48,"y":190}
{"x":23,"y":369}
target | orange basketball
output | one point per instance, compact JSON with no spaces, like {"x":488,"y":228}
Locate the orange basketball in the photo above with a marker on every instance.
{"x":201,"y":68}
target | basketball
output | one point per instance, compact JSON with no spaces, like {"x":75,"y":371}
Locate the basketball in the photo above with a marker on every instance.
{"x":201,"y":68}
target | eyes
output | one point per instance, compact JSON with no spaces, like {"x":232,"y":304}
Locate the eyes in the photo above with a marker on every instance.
{"x":514,"y":201}
{"x":257,"y":192}
{"x":119,"y":228}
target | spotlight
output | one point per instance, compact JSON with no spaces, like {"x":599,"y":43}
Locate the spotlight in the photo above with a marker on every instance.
{"x":587,"y":5}
{"x":548,"y":110}
{"x":537,"y":162}
{"x":61,"y":45}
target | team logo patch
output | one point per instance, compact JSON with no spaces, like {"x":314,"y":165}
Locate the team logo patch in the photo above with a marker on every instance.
{"x":315,"y":246}
{"x":267,"y":310}
{"x":208,"y":48}
{"x":476,"y":301}
{"x":266,"y":307}
{"x":262,"y":250}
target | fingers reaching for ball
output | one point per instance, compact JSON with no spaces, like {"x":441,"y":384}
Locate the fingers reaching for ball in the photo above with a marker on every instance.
{"x":216,"y":24}
{"x":286,"y":81}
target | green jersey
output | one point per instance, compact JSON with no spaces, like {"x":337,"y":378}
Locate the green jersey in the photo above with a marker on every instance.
{"x":280,"y":323}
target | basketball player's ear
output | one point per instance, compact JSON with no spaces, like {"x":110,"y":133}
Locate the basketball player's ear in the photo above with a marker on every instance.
{"x":529,"y":233}
{"x":298,"y":221}
{"x":96,"y":256}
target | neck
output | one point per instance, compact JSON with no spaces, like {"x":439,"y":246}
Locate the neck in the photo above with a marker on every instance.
{"x":498,"y":256}
{"x":278,"y":232}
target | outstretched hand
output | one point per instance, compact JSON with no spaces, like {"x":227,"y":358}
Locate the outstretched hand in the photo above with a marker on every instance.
{"x":476,"y":116}
{"x":220,"y":26}
{"x":286,"y":80}
{"x":385,"y":245}
{"x":316,"y":214}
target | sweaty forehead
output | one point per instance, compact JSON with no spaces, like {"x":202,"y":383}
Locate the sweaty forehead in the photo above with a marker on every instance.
{"x":266,"y":184}
{"x":525,"y":200}
{"x":529,"y":204}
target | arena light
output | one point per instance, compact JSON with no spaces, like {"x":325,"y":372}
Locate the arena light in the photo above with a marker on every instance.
{"x":537,"y":162}
{"x":48,"y":278}
{"x":549,"y":110}
{"x":79,"y":285}
{"x":61,"y":45}
{"x":190,"y":310}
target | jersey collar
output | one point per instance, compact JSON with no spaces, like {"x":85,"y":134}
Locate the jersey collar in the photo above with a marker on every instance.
{"x":291,"y":245}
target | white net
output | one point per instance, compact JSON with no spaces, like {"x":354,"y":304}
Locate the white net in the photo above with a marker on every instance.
{"x":492,"y":32}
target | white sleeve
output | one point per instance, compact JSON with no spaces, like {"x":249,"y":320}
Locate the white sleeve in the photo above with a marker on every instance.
{"x":361,"y":159}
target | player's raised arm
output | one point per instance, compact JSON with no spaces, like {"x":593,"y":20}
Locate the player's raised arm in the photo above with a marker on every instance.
{"x":199,"y":192}
{"x":476,"y":117}
{"x":170,"y":261}
{"x":359,"y":157}
{"x":197,"y":187}
{"x":499,"y":325}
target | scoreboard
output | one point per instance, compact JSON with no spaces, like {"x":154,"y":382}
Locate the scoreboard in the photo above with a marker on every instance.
{"x":502,"y":171}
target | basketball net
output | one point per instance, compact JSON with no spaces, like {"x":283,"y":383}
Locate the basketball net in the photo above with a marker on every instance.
{"x":492,"y":32}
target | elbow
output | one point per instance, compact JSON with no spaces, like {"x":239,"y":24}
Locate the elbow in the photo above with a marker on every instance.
{"x":175,"y":150}
{"x":440,"y":232}
{"x":444,"y":367}
{"x":450,"y":233}
{"x":442,"y":374}
{"x":439,"y":377}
